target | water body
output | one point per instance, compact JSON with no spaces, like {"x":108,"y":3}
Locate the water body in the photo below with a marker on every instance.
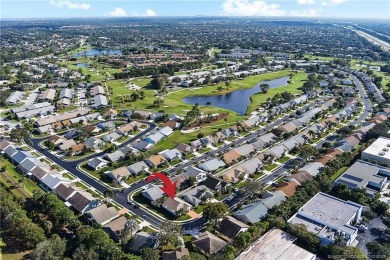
{"x":237,"y":100}
{"x":82,"y":65}
{"x":98,"y":52}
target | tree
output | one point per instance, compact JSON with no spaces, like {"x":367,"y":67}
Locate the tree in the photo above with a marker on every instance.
{"x":170,"y":234}
{"x":53,"y":248}
{"x":348,"y":253}
{"x":82,"y":252}
{"x":264,"y":88}
{"x":196,"y":256}
{"x":252,"y":188}
{"x":344,"y":131}
{"x":200,"y":135}
{"x":243,"y":239}
{"x":19,"y":134}
{"x":214,"y":211}
{"x":150,"y":254}
{"x":306,"y":151}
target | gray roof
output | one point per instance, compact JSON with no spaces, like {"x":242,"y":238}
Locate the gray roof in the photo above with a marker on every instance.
{"x":290,"y":144}
{"x":20,"y":156}
{"x":153,"y":193}
{"x":142,"y":145}
{"x":271,"y":199}
{"x":172,"y":154}
{"x":277,"y":151}
{"x":193,"y":171}
{"x":267,"y":138}
{"x":96,"y":161}
{"x":252,"y":213}
{"x":251,"y":165}
{"x":143,"y":240}
{"x":156,"y":137}
{"x":212,"y":165}
{"x":244,"y":150}
{"x":111,"y":137}
{"x":258,"y":144}
{"x":53,"y":180}
{"x":312,"y":168}
{"x":365,"y":175}
{"x":195,"y":194}
{"x":99,"y":100}
{"x":93,"y":142}
{"x":166,"y":131}
{"x":136,"y":168}
{"x":114,"y":156}
{"x":10,"y":151}
{"x":30,"y":163}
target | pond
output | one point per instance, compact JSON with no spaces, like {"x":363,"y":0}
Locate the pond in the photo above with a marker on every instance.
{"x":98,"y":52}
{"x":82,"y":65}
{"x":237,"y":100}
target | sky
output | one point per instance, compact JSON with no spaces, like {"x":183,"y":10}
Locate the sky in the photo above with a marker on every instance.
{"x":150,"y":8}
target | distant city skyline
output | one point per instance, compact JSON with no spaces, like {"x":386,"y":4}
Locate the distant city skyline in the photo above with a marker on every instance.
{"x":251,"y":8}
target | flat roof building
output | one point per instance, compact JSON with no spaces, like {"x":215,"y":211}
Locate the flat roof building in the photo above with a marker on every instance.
{"x":276,"y":244}
{"x":378,"y":151}
{"x":370,"y":177}
{"x":329,"y":217}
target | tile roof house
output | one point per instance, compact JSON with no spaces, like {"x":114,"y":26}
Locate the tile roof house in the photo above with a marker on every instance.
{"x":179,"y":254}
{"x":230,"y":227}
{"x":66,"y":190}
{"x":116,"y":227}
{"x":155,"y":160}
{"x":97,"y":163}
{"x":231,"y":157}
{"x":185,"y":148}
{"x":196,"y":195}
{"x":209,"y":244}
{"x":143,"y":240}
{"x":288,"y":188}
{"x":101,"y":214}
{"x":176,"y":206}
{"x":76,"y":149}
{"x":143,"y":145}
{"x":83,"y":201}
{"x":94,"y":143}
{"x":211,"y":165}
{"x":199,"y":174}
{"x":153,"y":194}
{"x":138,"y":167}
{"x":119,"y":174}
{"x":172,"y":154}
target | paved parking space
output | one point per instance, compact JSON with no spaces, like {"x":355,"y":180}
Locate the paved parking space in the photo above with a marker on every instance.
{"x":374,"y":232}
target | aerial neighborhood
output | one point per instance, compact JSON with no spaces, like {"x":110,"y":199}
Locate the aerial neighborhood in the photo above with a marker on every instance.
{"x":275,"y":149}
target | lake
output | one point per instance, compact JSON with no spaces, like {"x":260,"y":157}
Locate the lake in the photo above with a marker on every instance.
{"x":98,"y":52}
{"x":237,"y":100}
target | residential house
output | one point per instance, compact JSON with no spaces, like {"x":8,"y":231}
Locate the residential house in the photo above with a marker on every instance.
{"x":65,"y":190}
{"x":176,"y":206}
{"x":231,"y":157}
{"x":119,"y":174}
{"x":76,"y":149}
{"x":179,"y":254}
{"x":155,"y":160}
{"x":197,"y":195}
{"x":111,"y":137}
{"x":83,"y":201}
{"x":199,"y":174}
{"x":97,"y":163}
{"x":211,"y":165}
{"x":154,"y":138}
{"x":166,"y":131}
{"x":50,"y":181}
{"x":116,"y":227}
{"x":288,"y":188}
{"x":230,"y":227}
{"x":143,"y":240}
{"x":277,"y":151}
{"x":93,"y":143}
{"x":143,"y":145}
{"x":215,"y":184}
{"x":209,"y":244}
{"x":101,"y":214}
{"x":138,"y":167}
{"x":172,"y":154}
{"x":185,"y":148}
{"x":153,"y":194}
{"x":108,"y":125}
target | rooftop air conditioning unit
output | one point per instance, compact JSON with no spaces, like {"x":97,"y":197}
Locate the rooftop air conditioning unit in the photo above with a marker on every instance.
{"x":381,"y":153}
{"x":385,"y":149}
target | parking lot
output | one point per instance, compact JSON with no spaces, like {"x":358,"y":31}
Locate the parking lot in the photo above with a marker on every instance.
{"x":374,"y":231}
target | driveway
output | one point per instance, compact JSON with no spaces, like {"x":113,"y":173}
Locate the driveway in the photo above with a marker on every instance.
{"x":374,"y":233}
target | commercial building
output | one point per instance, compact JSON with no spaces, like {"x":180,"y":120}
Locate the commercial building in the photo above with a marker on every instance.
{"x":378,"y":151}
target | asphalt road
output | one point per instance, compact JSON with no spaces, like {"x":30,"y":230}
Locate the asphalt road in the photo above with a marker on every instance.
{"x":122,"y":196}
{"x":71,"y":166}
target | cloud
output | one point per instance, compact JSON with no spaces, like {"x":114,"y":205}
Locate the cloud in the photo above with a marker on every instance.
{"x":251,"y":8}
{"x":150,"y":12}
{"x":332,"y":2}
{"x":69,"y":4}
{"x":305,"y":2}
{"x":305,"y":13}
{"x":118,"y":12}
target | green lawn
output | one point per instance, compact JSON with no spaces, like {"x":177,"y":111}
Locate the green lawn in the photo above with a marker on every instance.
{"x":199,"y":209}
{"x":204,"y":150}
{"x":68,"y":176}
{"x":27,"y":185}
{"x":284,"y":159}
{"x":296,"y":82}
{"x":189,"y":156}
{"x":271,"y":167}
{"x":136,"y":178}
{"x":184,"y":217}
{"x":80,"y":185}
{"x":241,"y":184}
{"x":338,"y":173}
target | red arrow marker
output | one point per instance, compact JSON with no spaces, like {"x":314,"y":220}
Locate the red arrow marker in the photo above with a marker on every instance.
{"x":169,"y":187}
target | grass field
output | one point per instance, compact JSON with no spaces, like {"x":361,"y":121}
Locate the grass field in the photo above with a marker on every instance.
{"x":297,"y":81}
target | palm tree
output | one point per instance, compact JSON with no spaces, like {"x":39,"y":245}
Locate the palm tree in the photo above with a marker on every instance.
{"x":311,"y":133}
{"x":109,"y":195}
